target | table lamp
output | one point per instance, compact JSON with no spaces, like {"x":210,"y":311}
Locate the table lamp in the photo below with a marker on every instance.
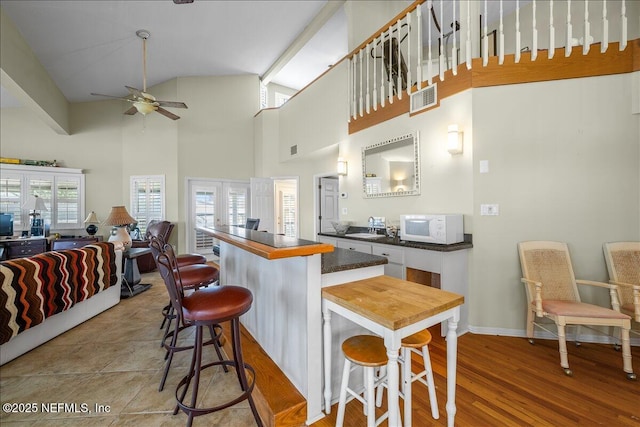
{"x":35,"y":205}
{"x":91,"y":222}
{"x":120,"y":218}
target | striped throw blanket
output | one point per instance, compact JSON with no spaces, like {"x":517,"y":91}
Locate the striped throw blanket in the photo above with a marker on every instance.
{"x":40,"y":286}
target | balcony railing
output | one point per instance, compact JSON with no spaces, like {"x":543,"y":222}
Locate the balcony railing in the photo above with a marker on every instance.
{"x":432,"y":39}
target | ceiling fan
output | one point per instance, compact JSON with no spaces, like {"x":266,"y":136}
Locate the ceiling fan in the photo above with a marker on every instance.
{"x":142,"y":101}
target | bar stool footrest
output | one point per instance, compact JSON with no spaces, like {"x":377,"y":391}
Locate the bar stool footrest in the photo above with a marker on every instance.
{"x":246,"y":394}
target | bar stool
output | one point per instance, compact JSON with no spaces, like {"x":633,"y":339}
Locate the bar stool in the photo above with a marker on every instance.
{"x":369,"y":352}
{"x":417,"y":343}
{"x":187,"y":277}
{"x":207,"y":308}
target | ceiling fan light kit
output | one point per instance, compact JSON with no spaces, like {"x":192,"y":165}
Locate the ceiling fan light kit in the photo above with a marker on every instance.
{"x":143,"y":102}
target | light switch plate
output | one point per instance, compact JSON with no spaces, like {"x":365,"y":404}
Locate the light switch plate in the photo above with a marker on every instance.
{"x":344,"y":211}
{"x":490,"y":209}
{"x":484,"y":166}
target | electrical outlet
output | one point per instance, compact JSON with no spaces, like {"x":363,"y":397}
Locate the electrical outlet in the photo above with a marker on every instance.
{"x":492,"y":209}
{"x":344,"y":211}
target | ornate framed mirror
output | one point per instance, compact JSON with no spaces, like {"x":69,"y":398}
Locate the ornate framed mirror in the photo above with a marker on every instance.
{"x":392,"y":168}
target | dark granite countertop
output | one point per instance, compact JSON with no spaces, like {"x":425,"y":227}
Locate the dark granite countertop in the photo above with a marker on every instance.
{"x":345,"y":259}
{"x":467,"y":244}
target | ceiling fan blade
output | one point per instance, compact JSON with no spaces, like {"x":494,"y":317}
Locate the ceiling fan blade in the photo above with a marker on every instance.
{"x":135,"y":92}
{"x":167,"y":113}
{"x":173,"y":104}
{"x":131,"y":111}
{"x":111,"y":96}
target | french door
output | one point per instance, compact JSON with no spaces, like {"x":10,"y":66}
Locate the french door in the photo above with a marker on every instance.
{"x":214,"y":203}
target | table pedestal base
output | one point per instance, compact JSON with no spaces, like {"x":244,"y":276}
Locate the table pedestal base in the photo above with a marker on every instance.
{"x":128,"y":292}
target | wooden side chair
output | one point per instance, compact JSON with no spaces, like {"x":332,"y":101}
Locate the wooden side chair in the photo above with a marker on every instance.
{"x":623,"y":264}
{"x":552,"y":293}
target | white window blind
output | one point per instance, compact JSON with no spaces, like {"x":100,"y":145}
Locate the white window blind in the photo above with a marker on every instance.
{"x":11,"y":196}
{"x":67,"y":201}
{"x":237,"y":205}
{"x":289,"y":214}
{"x":205,"y":212}
{"x":147,"y":199}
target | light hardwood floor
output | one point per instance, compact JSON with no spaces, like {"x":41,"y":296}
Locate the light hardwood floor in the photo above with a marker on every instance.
{"x":115,"y":359}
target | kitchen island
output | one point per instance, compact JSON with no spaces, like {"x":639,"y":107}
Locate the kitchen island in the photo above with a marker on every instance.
{"x":285,"y":276}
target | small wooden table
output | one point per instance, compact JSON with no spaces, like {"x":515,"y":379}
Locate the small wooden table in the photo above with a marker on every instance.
{"x":393,"y":309}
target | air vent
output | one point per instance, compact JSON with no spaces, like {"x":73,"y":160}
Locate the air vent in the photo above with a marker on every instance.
{"x":424,"y":98}
{"x":294,"y":149}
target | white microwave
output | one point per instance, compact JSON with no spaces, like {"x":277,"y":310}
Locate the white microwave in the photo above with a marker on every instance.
{"x":432,"y":228}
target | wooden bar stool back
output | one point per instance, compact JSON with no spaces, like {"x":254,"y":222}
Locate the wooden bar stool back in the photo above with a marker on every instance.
{"x":206,"y":308}
{"x":369,"y":352}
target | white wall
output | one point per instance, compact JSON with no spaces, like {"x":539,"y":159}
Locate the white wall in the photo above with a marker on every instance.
{"x":564,"y":164}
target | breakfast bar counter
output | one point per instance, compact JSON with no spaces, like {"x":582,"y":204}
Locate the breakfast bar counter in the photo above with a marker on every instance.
{"x":286,"y":276}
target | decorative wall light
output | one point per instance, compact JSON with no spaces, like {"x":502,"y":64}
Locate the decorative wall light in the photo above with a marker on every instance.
{"x":454,"y":140}
{"x":342,"y":166}
{"x":92,"y":223}
{"x":119,"y":218}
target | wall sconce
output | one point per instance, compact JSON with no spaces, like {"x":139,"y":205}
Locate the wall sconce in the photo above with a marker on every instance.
{"x":454,"y":140}
{"x":342,"y":166}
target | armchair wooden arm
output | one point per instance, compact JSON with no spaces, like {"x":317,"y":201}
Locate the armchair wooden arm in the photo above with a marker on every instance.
{"x":534,"y":292}
{"x":613,"y":291}
{"x":636,"y":297}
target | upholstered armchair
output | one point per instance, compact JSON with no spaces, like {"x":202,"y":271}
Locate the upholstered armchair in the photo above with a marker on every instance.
{"x":552,"y":293}
{"x":161,"y":229}
{"x":623,"y":264}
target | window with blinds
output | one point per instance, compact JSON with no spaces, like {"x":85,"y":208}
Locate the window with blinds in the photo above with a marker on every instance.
{"x":289,"y":214}
{"x":205,"y":216}
{"x":147,"y":199}
{"x":237,"y":205}
{"x":11,"y":197}
{"x":61,"y":190}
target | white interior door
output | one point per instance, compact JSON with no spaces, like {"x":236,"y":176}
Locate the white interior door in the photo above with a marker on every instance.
{"x":263,"y":203}
{"x":329,"y":193}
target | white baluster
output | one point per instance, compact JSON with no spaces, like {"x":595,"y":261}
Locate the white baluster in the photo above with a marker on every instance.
{"x":605,"y":28}
{"x":409,"y":54}
{"x":552,"y":32}
{"x":442,"y":64}
{"x":375,"y":83}
{"x":501,"y":37}
{"x":390,"y":76}
{"x":468,"y":45}
{"x":623,"y":26}
{"x":361,"y":109}
{"x":569,"y":42}
{"x":349,"y":90}
{"x":517,"y":53}
{"x":534,"y":45}
{"x":354,"y":60}
{"x":454,"y":51}
{"x":485,"y":40}
{"x":419,"y":66}
{"x":429,"y":64}
{"x":586,"y":44}
{"x":382,"y":95}
{"x":368,"y":96}
{"x":399,"y":80}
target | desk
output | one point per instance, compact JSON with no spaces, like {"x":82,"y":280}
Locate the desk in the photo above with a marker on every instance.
{"x":131,"y":283}
{"x":393,"y":309}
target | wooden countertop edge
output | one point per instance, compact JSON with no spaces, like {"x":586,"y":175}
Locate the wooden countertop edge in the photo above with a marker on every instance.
{"x":265,"y":251}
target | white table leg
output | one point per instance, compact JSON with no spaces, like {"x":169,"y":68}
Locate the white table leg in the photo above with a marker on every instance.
{"x":452,"y":355}
{"x":407,"y":376}
{"x":393,"y":372}
{"x":326,"y":316}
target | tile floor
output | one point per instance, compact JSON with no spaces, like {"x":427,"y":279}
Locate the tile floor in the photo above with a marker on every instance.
{"x":113,"y":360}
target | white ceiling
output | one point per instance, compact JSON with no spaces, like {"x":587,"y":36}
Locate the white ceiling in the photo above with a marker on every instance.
{"x":91,"y":46}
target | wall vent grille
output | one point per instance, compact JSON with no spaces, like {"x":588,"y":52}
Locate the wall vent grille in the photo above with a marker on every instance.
{"x":424,"y":98}
{"x":294,"y":149}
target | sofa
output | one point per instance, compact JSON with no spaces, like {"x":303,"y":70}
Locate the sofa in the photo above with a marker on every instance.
{"x":47,"y":294}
